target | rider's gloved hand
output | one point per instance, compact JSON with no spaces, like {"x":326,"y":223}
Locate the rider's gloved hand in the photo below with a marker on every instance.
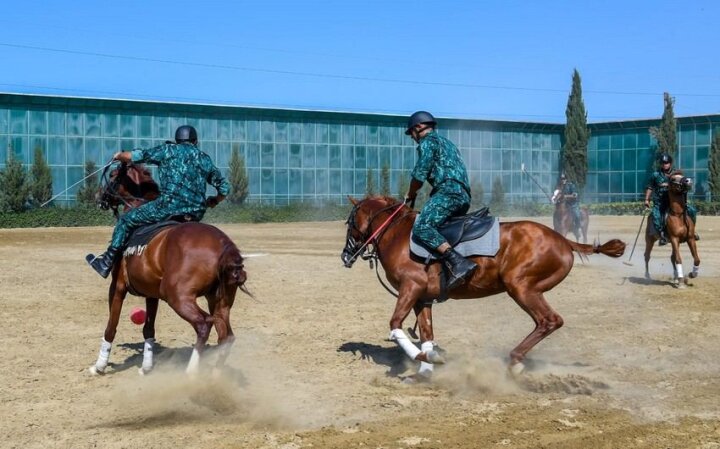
{"x":410,"y":201}
{"x":211,"y":201}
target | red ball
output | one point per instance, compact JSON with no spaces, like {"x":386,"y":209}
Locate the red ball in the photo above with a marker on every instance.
{"x":137,"y":315}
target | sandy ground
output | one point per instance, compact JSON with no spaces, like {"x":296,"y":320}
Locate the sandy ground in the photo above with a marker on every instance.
{"x":637,"y":364}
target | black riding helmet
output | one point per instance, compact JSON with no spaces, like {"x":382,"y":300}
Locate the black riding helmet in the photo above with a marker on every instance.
{"x":419,"y":117}
{"x":185,"y":133}
{"x":664,"y":158}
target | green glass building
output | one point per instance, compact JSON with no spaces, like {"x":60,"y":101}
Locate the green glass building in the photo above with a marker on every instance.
{"x":321,"y":156}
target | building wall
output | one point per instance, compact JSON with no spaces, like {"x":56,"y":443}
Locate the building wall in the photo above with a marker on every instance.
{"x":316,"y":156}
{"x":309,"y":156}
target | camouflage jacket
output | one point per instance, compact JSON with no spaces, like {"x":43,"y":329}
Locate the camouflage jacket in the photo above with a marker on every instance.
{"x":440,"y":164}
{"x":184,"y":172}
{"x":658,"y":183}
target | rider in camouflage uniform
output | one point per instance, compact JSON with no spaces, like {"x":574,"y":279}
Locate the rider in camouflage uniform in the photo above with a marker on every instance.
{"x":569,"y":194}
{"x":657,"y":187}
{"x":439,"y":163}
{"x":184,"y":171}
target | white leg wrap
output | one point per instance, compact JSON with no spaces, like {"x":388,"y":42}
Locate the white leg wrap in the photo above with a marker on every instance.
{"x":696,"y":270}
{"x":103,"y":356}
{"x":426,"y":369}
{"x":679,"y":270}
{"x":398,"y":335}
{"x":147,"y":363}
{"x":194,"y":363}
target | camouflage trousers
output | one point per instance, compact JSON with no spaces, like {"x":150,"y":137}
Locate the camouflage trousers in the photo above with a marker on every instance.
{"x":436,"y":211}
{"x":658,"y":210}
{"x":148,"y":213}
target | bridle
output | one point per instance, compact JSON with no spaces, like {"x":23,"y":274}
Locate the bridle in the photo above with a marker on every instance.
{"x":355,"y":248}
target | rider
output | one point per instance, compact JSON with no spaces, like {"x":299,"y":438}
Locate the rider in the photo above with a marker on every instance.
{"x":567,"y":190}
{"x":657,"y":186}
{"x":440,"y":164}
{"x":184,"y":171}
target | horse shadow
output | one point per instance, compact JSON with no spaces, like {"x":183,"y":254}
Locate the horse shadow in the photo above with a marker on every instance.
{"x":393,"y":358}
{"x":645,"y":281}
{"x":172,"y":357}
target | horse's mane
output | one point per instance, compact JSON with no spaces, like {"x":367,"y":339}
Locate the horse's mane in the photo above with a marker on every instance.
{"x":143,"y":180}
{"x":385,"y":198}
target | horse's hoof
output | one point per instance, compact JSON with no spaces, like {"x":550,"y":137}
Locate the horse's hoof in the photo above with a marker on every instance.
{"x":692,"y":275}
{"x":647,"y":276}
{"x":95,"y":371}
{"x":680,"y":285}
{"x":144,"y":371}
{"x":517,"y":368}
{"x":418,"y":378}
{"x":435,"y":357}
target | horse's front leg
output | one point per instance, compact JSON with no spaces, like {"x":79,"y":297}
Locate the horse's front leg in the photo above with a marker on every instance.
{"x":423,"y":313}
{"x":649,"y":243}
{"x":408,"y":295}
{"x":676,"y":260}
{"x":116,"y":296}
{"x":151,"y":305}
{"x":696,"y":258}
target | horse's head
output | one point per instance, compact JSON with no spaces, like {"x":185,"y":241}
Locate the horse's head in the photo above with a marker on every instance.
{"x":126,"y":184}
{"x":361,"y":223}
{"x":679,"y":183}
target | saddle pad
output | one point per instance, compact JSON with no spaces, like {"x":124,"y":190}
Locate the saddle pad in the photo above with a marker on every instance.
{"x":142,"y":236}
{"x":486,"y":245}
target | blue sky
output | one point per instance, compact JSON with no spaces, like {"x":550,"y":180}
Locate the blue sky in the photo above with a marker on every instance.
{"x":507,"y":60}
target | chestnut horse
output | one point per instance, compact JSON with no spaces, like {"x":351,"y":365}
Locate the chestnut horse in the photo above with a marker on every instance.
{"x":679,"y":229}
{"x":179,"y":264}
{"x":564,"y":220}
{"x":532,"y":259}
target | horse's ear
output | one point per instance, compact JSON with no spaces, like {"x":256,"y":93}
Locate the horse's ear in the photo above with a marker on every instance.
{"x":352,"y":200}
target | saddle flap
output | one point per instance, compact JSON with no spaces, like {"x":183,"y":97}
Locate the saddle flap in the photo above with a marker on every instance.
{"x":467,"y":227}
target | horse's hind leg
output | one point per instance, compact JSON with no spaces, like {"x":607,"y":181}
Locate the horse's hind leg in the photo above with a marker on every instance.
{"x":546,"y":322}
{"x":151,"y":305}
{"x":186,"y":306}
{"x":649,"y":243}
{"x":220,"y":311}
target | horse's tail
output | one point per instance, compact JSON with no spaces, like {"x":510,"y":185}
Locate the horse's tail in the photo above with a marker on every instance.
{"x":612,"y":248}
{"x":230,"y":271}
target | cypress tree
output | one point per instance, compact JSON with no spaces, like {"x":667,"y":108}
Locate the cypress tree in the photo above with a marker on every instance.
{"x":478,"y":194}
{"x":666,"y":133}
{"x":497,"y":196}
{"x":714,"y":166}
{"x":577,"y":134}
{"x":40,"y":179}
{"x":403,"y":185}
{"x":86,"y":194}
{"x":370,"y":183}
{"x":237,"y":178}
{"x":14,"y":190}
{"x":385,"y":180}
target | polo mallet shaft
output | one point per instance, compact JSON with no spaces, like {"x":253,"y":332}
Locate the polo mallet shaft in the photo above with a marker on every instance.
{"x":413,"y":331}
{"x":636,"y":237}
{"x":83,"y":179}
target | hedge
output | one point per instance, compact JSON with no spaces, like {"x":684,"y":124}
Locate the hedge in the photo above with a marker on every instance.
{"x":258,"y":213}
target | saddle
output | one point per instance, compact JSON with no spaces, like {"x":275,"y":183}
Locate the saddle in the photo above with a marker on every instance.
{"x":142,"y":235}
{"x":465,"y":227}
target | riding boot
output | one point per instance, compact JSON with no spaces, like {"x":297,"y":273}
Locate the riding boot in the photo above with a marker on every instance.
{"x":458,"y":267}
{"x":103,"y":263}
{"x":663,"y":239}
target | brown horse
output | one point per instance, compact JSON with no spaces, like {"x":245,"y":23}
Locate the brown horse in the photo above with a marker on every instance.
{"x":532,"y":259}
{"x":564,"y":220}
{"x":179,"y":264}
{"x":680,"y":229}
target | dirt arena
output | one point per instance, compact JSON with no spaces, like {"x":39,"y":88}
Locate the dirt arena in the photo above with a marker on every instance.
{"x":637,"y":364}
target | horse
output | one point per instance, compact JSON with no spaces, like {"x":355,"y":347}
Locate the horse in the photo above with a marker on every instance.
{"x":564,"y":219}
{"x":179,"y":264}
{"x":531,"y":260}
{"x":679,"y":229}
